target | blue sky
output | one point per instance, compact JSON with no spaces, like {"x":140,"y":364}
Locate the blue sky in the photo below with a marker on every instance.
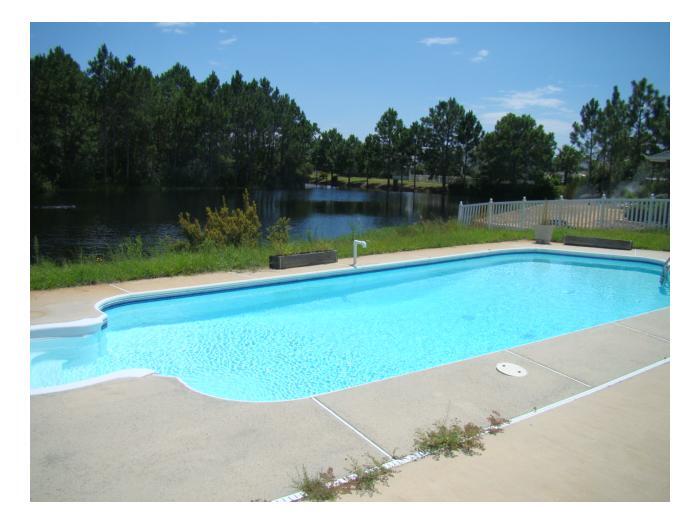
{"x":346,"y":75}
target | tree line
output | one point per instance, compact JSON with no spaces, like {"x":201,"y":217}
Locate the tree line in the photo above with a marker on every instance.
{"x":117,"y":124}
{"x":613,"y":139}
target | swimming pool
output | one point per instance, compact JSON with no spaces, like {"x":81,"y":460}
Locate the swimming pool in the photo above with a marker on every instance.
{"x":280,"y":341}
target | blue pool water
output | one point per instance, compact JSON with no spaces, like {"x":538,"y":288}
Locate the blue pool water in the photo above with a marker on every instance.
{"x":292,"y":340}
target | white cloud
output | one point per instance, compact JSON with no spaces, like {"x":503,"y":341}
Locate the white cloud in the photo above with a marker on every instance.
{"x":543,"y":104}
{"x":480,"y":55}
{"x":228,"y":41}
{"x":174,"y":27}
{"x":489,"y":119}
{"x":439,"y":41}
{"x":538,"y":98}
{"x":557,"y":126}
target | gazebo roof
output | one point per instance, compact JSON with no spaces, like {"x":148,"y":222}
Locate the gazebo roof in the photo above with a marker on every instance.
{"x":663,"y":156}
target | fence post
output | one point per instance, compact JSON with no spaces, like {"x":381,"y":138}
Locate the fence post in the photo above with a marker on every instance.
{"x":560,"y":211}
{"x":522,"y":213}
{"x":601,"y":207}
{"x":489,"y":215}
{"x":651,"y":208}
{"x":459,"y":213}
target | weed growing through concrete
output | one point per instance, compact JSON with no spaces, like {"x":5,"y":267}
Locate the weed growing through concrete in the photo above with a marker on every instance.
{"x":442,"y":439}
{"x":364,"y":478}
{"x":446,"y":440}
{"x":496,"y":422}
{"x":361,"y":478}
{"x":317,"y":488}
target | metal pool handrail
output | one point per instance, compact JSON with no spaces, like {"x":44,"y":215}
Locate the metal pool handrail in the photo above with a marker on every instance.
{"x":665,"y":273}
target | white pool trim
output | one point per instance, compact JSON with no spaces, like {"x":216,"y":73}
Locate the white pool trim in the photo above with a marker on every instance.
{"x":89,"y":326}
{"x":119,"y":374}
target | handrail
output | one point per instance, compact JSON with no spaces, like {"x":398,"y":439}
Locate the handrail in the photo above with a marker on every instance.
{"x":666,"y":272}
{"x":355,"y":244}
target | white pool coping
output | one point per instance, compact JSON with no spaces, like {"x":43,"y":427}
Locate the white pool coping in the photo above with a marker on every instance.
{"x":92,"y":325}
{"x":119,"y":374}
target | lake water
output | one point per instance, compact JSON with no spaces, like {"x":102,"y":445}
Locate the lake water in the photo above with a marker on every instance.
{"x":70,"y":222}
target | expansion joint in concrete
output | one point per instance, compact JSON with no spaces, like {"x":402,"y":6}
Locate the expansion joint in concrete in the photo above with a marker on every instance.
{"x":355,"y":430}
{"x":119,"y":288}
{"x":548,"y":368}
{"x":643,"y":332}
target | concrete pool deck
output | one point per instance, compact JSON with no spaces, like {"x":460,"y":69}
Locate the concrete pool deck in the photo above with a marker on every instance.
{"x":593,"y":449}
{"x":153,"y":439}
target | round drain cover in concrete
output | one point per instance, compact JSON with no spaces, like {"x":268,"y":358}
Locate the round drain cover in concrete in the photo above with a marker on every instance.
{"x":511,"y":369}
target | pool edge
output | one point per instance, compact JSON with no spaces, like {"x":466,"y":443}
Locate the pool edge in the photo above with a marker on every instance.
{"x":90,"y":325}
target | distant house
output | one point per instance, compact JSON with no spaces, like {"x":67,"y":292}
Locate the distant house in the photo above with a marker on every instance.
{"x":661,"y":157}
{"x":659,"y":171}
{"x":660,"y":166}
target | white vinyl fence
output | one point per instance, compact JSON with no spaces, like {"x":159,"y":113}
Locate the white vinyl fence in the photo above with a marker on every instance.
{"x":648,"y":213}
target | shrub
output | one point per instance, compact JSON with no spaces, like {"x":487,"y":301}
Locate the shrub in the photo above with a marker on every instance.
{"x":278,"y":233}
{"x":191,"y":229}
{"x":240,"y":227}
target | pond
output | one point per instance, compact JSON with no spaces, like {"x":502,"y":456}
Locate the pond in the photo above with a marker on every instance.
{"x":67,"y":223}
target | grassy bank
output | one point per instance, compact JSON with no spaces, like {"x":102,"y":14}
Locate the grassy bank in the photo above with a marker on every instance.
{"x":375,"y":183}
{"x":128,"y":266}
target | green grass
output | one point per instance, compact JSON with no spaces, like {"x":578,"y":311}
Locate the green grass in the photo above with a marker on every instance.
{"x":128,"y":266}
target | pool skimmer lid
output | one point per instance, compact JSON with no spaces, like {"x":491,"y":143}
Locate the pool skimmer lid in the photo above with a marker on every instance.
{"x":511,"y":369}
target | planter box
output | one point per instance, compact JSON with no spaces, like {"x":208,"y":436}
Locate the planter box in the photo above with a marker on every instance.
{"x":281,"y":262}
{"x":597,"y":242}
{"x":543,"y":233}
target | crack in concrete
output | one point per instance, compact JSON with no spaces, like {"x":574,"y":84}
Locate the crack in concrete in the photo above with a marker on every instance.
{"x":548,"y":368}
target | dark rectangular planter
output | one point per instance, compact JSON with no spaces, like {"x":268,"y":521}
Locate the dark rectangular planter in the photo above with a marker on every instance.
{"x":596,"y":242}
{"x":281,"y":262}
